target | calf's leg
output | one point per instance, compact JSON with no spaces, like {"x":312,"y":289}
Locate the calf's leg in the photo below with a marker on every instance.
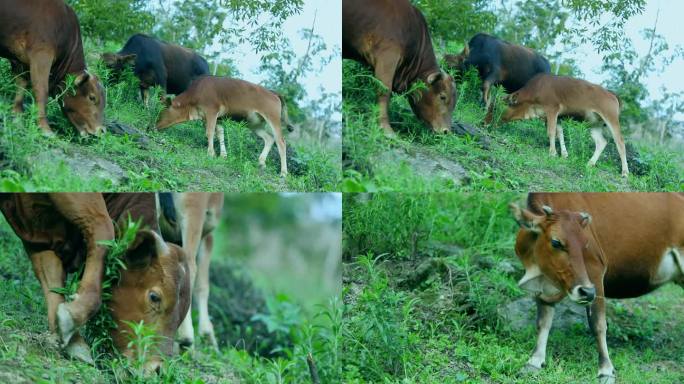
{"x":551,"y":120}
{"x":222,"y":140}
{"x":268,"y":143}
{"x":614,"y":124}
{"x":274,"y":122}
{"x":487,"y":83}
{"x":21,"y":84}
{"x":50,"y":272}
{"x":206,"y":328}
{"x":210,"y":126}
{"x":545,"y":313}
{"x":561,"y":139}
{"x":600,"y":143}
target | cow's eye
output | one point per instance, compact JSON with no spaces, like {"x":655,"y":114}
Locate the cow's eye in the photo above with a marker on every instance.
{"x":155,"y":297}
{"x":556,"y":244}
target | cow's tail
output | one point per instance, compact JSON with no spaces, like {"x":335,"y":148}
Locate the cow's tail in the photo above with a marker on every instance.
{"x":283,"y":113}
{"x":620,"y":104}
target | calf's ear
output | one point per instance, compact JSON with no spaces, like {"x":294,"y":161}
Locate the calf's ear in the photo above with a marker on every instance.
{"x":128,"y":59}
{"x":585,"y":219}
{"x":147,"y":246}
{"x":109,"y":58}
{"x":526,"y":219}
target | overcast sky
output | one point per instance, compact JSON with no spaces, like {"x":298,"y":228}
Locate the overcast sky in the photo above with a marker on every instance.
{"x":671,"y":13}
{"x":328,"y":26}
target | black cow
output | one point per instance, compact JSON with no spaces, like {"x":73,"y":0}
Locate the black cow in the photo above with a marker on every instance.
{"x":499,"y":62}
{"x":158,"y":63}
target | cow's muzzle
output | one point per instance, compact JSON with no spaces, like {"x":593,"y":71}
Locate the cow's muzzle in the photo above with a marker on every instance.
{"x":583,"y":295}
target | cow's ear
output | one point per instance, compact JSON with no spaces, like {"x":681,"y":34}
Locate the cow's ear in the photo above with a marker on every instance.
{"x":109,"y":58}
{"x":146,"y":247}
{"x":526,"y":219}
{"x":532,"y":280}
{"x":82,"y":78}
{"x":584,"y":219}
{"x":128,"y":59}
{"x":466,"y":50}
{"x":434,"y":77}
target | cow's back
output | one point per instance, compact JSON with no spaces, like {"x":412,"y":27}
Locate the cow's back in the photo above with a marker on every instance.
{"x":631,"y":230}
{"x":183,"y":66}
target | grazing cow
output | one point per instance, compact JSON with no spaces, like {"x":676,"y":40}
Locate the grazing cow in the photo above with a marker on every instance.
{"x":555,"y":96}
{"x":499,"y":62}
{"x":589,"y":246}
{"x":392,"y":37}
{"x":211,"y":97}
{"x":62,"y":233}
{"x":42,"y":39}
{"x":156,"y":62}
{"x":188,"y":219}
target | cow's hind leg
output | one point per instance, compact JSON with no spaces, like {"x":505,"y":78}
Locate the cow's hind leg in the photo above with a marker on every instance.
{"x":41,"y":62}
{"x":206,"y":328}
{"x":21,"y":83}
{"x":545,"y":313}
{"x":600,"y":143}
{"x":606,"y":373}
{"x":487,"y":83}
{"x":614,"y":125}
{"x":50,"y":272}
{"x":276,"y":129}
{"x":222,"y":140}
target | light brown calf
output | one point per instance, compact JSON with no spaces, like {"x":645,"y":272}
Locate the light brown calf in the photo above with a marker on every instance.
{"x":590,"y":246}
{"x":188,"y":219}
{"x":553,"y":96}
{"x":212,"y":97}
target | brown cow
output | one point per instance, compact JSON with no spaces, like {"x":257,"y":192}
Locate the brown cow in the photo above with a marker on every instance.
{"x":62,"y":232}
{"x":212,"y":97}
{"x":553,"y":96}
{"x":189,"y":219}
{"x":44,"y":37}
{"x":589,"y":246}
{"x":392,"y":37}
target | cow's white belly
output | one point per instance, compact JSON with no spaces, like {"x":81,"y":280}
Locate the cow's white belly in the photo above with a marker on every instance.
{"x":196,"y":114}
{"x":671,"y":267}
{"x":534,"y":111}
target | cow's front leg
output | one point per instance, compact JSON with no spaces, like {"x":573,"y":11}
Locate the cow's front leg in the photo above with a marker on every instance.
{"x":50,"y":272}
{"x":206,"y":328}
{"x":210,"y":126}
{"x":561,"y":140}
{"x":41,"y":62}
{"x":551,"y":120}
{"x":545,"y":313}
{"x":384,"y":71}
{"x":89,"y":213}
{"x":606,"y":373}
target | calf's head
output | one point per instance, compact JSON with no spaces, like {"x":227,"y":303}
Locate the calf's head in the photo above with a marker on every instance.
{"x":154,"y":288}
{"x":435,"y":105}
{"x":116,"y":63}
{"x":552,"y":248}
{"x":457,"y":62}
{"x":85,"y":106}
{"x":175,"y":113}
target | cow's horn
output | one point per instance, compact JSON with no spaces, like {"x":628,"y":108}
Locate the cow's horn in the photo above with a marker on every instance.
{"x":586,"y":219}
{"x":548,"y":210}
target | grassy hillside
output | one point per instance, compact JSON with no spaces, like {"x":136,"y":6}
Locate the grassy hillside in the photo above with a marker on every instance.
{"x":146,"y":160}
{"x":513,"y":156}
{"x":439,"y":303}
{"x":264,"y":335}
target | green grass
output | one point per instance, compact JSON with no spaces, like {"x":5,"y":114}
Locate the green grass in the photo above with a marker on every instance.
{"x":173,"y":159}
{"x":29,"y":353}
{"x":516,"y":158}
{"x":427,"y":304}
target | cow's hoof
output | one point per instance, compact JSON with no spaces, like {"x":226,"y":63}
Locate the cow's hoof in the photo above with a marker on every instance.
{"x":606,"y":379}
{"x":283,"y":174}
{"x":565,"y":155}
{"x":47,"y":132}
{"x":625,"y":174}
{"x":529,"y":369}
{"x":185,"y":344}
{"x":209,"y":335}
{"x":66,"y":324}
{"x":79,"y":350}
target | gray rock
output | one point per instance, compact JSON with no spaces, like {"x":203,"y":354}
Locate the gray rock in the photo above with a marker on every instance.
{"x":87,"y":168}
{"x":424,"y":163}
{"x":522,"y":313}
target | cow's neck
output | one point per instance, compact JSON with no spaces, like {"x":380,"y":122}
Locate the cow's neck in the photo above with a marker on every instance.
{"x":72,"y":62}
{"x":417,"y":65}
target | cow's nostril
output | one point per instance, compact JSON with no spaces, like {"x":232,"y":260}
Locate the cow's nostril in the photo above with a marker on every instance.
{"x":588,"y":293}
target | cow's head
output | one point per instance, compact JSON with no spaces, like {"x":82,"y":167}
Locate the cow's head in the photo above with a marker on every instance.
{"x":85,"y":106}
{"x":435,"y":105}
{"x":154,"y":288}
{"x":552,"y":248}
{"x":116,"y":62}
{"x":176,"y":112}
